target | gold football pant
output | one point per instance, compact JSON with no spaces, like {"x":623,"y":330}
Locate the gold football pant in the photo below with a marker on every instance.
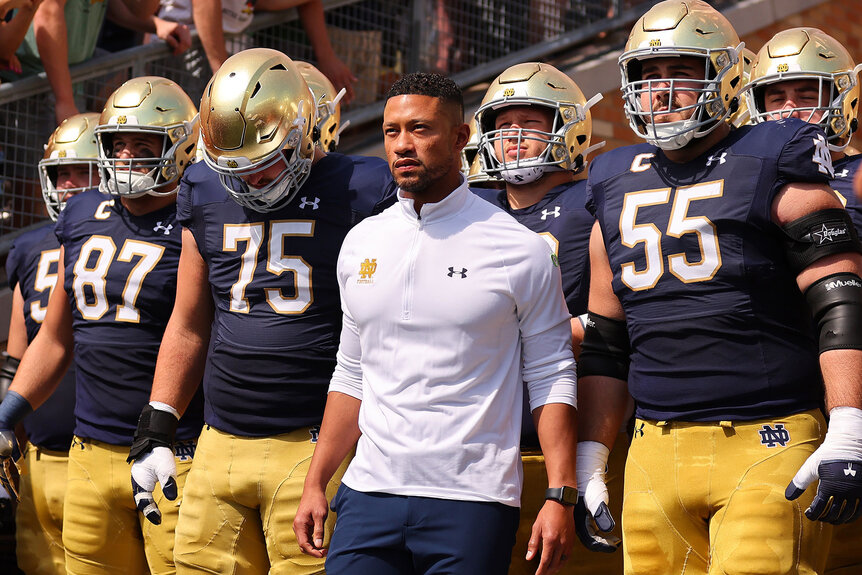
{"x":103,"y":531}
{"x":845,"y":550}
{"x":240,"y":501}
{"x":581,"y":560}
{"x":709,"y":498}
{"x":39,"y":518}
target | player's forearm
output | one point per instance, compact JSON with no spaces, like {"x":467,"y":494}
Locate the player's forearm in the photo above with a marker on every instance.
{"x":208,"y":22}
{"x":16,"y":344}
{"x":180,"y":366}
{"x":602,"y":407}
{"x":557,"y":427}
{"x":842,"y":377}
{"x":339,"y":433}
{"x":42,"y":367}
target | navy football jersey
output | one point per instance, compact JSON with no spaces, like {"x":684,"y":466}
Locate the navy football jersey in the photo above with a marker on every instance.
{"x":845,"y":171}
{"x":562,"y":220}
{"x":718,"y":327}
{"x":277,"y":308}
{"x":121,"y":280}
{"x":32,"y":265}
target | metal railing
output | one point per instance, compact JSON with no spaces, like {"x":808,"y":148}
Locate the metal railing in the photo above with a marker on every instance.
{"x":470,"y":40}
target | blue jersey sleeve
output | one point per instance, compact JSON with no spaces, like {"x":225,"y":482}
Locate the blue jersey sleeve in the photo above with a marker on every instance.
{"x":805,"y":156}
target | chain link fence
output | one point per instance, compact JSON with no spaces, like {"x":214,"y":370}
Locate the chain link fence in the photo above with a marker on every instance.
{"x":470,"y":40}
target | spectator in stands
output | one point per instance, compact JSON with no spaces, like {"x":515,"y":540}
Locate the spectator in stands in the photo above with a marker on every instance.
{"x":236,"y":15}
{"x":12,"y":32}
{"x":65,"y":33}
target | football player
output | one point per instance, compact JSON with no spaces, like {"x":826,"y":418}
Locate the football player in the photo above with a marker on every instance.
{"x":69,"y":167}
{"x":329,"y":126}
{"x":534,"y":131}
{"x":708,"y":245}
{"x":263,"y":220}
{"x":805,"y":73}
{"x":119,"y":256}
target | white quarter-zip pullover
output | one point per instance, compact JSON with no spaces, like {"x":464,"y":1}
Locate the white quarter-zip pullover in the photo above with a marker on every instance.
{"x":446,"y":316}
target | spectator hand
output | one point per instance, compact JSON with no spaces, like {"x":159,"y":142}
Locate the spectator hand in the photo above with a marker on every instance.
{"x":63,"y":110}
{"x":176,"y":35}
{"x":309,"y":521}
{"x":837,"y":463}
{"x":7,"y":5}
{"x":339,"y":74}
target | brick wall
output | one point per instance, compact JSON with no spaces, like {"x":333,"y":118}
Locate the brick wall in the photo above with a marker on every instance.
{"x":841,"y":19}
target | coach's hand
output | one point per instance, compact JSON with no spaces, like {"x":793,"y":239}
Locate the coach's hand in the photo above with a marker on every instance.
{"x":838,"y":465}
{"x":553,"y":531}
{"x":591,"y":512}
{"x":308,"y":524}
{"x":153,"y":456}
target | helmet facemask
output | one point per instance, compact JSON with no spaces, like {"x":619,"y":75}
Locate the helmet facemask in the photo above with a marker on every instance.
{"x":134,"y":177}
{"x":48,"y":176}
{"x":708,"y":110}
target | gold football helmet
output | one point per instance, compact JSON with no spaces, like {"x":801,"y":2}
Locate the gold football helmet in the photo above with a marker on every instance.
{"x":568,"y":142}
{"x":742,"y":115}
{"x":147,"y":105}
{"x":328,"y":102}
{"x":682,"y":28}
{"x":810,"y":54}
{"x":258,"y":112}
{"x":72,"y":143}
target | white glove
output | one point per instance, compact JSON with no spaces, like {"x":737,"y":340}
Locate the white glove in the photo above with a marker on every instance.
{"x":838,"y":465}
{"x":592,"y":507}
{"x":159,"y":466}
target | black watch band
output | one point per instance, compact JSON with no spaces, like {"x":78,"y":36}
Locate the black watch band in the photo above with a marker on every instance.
{"x":565,"y":495}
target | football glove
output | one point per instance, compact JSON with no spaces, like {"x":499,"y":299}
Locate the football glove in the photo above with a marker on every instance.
{"x":13,"y":409}
{"x":591,"y":512}
{"x":153,"y":455}
{"x":838,"y":465}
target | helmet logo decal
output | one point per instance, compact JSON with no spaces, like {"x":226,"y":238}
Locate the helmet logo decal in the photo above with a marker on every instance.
{"x":655,"y":43}
{"x":509,"y":92}
{"x":232,"y":164}
{"x":61,"y":154}
{"x":121,"y":120}
{"x":783,"y":68}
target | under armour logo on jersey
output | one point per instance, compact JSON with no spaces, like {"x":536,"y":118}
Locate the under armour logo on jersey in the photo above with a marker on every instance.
{"x":825,"y":234}
{"x":772,"y":436}
{"x":555,"y":213}
{"x":314,"y":432}
{"x":850,"y":471}
{"x":453,"y":271}
{"x":185,"y":450}
{"x":166,"y":229}
{"x":843,"y":173}
{"x":639,"y":430}
{"x":720,"y":159}
{"x":305,"y":203}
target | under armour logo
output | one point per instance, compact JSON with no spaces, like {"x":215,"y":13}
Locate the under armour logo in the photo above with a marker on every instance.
{"x":843,"y":173}
{"x":185,"y":450}
{"x":555,"y":213}
{"x":850,"y":471}
{"x":462,"y":272}
{"x":306,"y":203}
{"x":770,"y":437}
{"x":159,"y":227}
{"x":825,"y":234}
{"x":720,"y":159}
{"x":314,"y":432}
{"x":639,"y":430}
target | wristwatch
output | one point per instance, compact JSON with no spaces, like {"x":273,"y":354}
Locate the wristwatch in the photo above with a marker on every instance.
{"x":564,"y":495}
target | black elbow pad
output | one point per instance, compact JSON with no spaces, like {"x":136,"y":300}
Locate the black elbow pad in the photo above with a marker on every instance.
{"x":836,"y":304}
{"x":606,"y":349}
